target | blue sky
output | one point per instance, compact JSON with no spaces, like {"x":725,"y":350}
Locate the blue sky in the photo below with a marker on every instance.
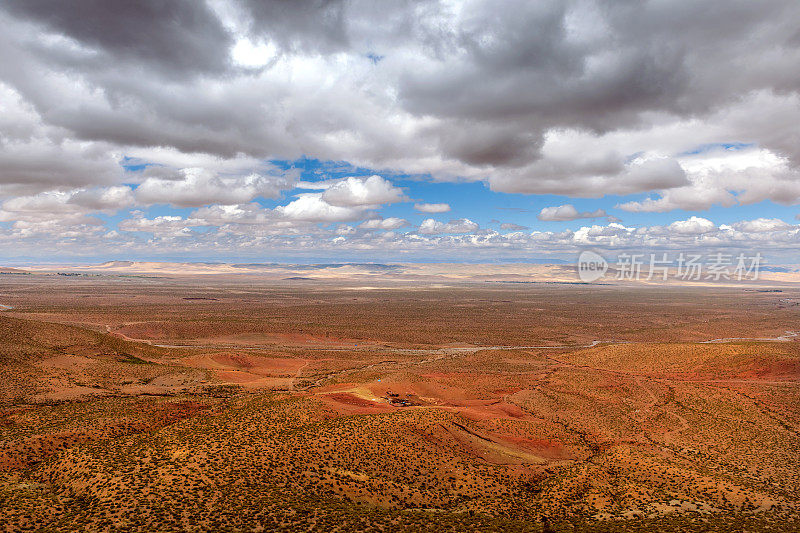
{"x":163,"y":229}
{"x":476,"y":201}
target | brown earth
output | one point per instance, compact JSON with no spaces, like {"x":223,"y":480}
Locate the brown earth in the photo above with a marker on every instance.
{"x":169,"y":404}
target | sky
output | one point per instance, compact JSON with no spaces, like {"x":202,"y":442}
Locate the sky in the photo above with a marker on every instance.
{"x":347,"y":130}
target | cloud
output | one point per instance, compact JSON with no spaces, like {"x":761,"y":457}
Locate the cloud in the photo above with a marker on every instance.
{"x":304,"y":26}
{"x":462,"y":91}
{"x":567,"y":212}
{"x":612,"y":235}
{"x":344,"y":229}
{"x":249,"y":229}
{"x":432,"y":208}
{"x":35,"y":157}
{"x":761,"y":225}
{"x":726,"y":177}
{"x":240,"y":218}
{"x":688,"y":198}
{"x":688,"y":105}
{"x":177,"y":36}
{"x":108,"y":200}
{"x":692,"y":226}
{"x":513,"y":227}
{"x":390,"y":223}
{"x":195,"y":187}
{"x":591,"y":175}
{"x":371,"y":191}
{"x":311,"y":207}
{"x":430,"y":226}
{"x":162,"y":226}
{"x":66,"y":206}
{"x":69,"y":213}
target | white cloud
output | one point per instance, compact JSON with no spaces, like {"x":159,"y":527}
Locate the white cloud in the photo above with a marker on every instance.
{"x":249,"y":230}
{"x":761,"y":225}
{"x":345,"y":229}
{"x":687,"y":198}
{"x":511,"y":226}
{"x":194,"y":187}
{"x":692,"y":226}
{"x":432,"y":208}
{"x":69,"y":207}
{"x":567,"y":212}
{"x":107,"y":200}
{"x":612,"y":235}
{"x":390,"y":223}
{"x":430,"y":226}
{"x":310,"y":207}
{"x":372,"y":191}
{"x":162,"y":226}
{"x":720,"y":176}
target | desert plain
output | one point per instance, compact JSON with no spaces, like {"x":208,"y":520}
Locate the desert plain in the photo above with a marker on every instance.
{"x":186,"y":401}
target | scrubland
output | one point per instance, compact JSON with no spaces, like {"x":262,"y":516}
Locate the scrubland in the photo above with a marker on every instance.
{"x":229,"y":404}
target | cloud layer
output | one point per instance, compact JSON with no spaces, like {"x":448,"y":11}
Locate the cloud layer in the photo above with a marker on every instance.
{"x":173,"y":119}
{"x":561,"y":213}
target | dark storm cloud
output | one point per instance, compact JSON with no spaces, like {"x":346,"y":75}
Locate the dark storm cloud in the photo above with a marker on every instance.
{"x":478,"y":89}
{"x":482,"y":144}
{"x":300,"y":25}
{"x":529,"y":64}
{"x":174,"y":36}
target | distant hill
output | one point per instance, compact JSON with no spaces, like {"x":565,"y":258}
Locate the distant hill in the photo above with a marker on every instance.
{"x":534,"y":271}
{"x":11,"y":270}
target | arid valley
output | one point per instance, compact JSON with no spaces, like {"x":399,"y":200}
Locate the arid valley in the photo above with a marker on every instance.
{"x":240,"y":403}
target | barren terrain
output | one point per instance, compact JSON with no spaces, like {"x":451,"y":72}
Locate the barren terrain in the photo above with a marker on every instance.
{"x":235,"y":402}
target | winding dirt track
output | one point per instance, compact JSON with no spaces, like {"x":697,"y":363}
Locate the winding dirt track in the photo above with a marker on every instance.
{"x":430,"y":355}
{"x":788,"y":336}
{"x":436,"y":354}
